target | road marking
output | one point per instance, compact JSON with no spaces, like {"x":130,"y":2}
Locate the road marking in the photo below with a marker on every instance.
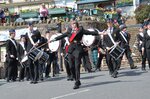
{"x":70,"y":94}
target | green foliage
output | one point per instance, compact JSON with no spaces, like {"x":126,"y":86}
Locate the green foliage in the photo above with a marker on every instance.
{"x":142,"y":12}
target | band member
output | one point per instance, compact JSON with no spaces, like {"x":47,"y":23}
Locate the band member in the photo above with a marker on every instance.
{"x":75,"y":49}
{"x":47,"y":50}
{"x":101,"y":54}
{"x":110,"y":39}
{"x":140,"y":37}
{"x":146,"y":44}
{"x":33,"y":40}
{"x":66,"y":62}
{"x":86,"y":60}
{"x":53,"y":58}
{"x":12,"y":57}
{"x":124,"y":38}
{"x":22,"y":52}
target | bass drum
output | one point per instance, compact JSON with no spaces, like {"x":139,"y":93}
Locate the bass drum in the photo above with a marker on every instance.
{"x":88,"y":40}
{"x":53,"y":46}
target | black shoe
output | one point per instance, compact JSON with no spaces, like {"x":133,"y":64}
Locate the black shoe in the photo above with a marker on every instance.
{"x":47,"y":76}
{"x":143,"y":69}
{"x":69,"y":79}
{"x":42,"y":79}
{"x":78,"y":83}
{"x":90,"y":71}
{"x":35,"y":82}
{"x":27,"y":79}
{"x":31,"y":82}
{"x":114,"y":75}
{"x":8,"y":80}
{"x":134,"y":67}
{"x":97,"y":69}
{"x":76,"y":87}
{"x":13,"y":80}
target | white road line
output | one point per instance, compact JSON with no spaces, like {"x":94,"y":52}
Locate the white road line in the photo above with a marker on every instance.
{"x":70,"y":94}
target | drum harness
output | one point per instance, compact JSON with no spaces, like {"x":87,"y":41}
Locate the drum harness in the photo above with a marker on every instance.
{"x":110,"y":36}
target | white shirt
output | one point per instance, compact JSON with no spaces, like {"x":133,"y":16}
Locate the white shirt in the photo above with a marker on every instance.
{"x":109,"y":30}
{"x":22,"y":44}
{"x":141,"y":34}
{"x":148,"y":32}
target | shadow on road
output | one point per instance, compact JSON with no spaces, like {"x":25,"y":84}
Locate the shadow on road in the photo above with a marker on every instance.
{"x":54,"y":79}
{"x":99,"y":83}
{"x":91,"y":77}
{"x":2,"y":83}
{"x":131,"y":73}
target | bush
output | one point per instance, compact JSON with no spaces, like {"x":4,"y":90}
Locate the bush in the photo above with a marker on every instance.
{"x":142,"y":12}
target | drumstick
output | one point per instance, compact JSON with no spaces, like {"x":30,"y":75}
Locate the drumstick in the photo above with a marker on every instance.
{"x":36,"y":47}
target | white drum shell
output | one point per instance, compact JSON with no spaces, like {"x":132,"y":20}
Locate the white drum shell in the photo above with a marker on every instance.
{"x":54,"y":46}
{"x":88,"y":40}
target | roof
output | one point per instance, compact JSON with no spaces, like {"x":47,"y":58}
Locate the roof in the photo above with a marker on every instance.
{"x":90,"y":1}
{"x":29,"y":15}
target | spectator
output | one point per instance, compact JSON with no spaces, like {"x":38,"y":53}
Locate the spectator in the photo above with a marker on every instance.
{"x":2,"y":16}
{"x":7,"y":15}
{"x":43,"y":13}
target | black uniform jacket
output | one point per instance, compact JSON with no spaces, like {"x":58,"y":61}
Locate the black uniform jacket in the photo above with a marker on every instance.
{"x":106,"y":39}
{"x":11,"y":49}
{"x":146,"y":40}
{"x":122,"y":41}
{"x":78,"y":38}
{"x":139,"y":38}
{"x":36,"y":37}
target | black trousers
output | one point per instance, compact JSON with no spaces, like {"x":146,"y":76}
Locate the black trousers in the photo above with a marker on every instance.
{"x":112,"y":63}
{"x":52,"y":60}
{"x":22,"y":73}
{"x":143,"y":59}
{"x":86,"y":61}
{"x":75,"y":61}
{"x":34,"y":69}
{"x":12,"y":69}
{"x":27,"y":73}
{"x":68,"y":69}
{"x":127,"y":52}
{"x":99,"y":61}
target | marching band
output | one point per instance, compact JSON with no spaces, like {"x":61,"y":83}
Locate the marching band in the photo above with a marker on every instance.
{"x":35,"y":53}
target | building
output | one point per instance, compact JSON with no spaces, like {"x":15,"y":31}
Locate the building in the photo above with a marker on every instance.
{"x":91,"y":4}
{"x":17,"y":5}
{"x":64,"y":3}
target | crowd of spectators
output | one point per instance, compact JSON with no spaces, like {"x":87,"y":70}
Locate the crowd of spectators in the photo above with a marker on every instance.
{"x":6,"y":17}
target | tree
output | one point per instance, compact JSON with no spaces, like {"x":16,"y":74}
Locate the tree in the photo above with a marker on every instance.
{"x":142,"y":12}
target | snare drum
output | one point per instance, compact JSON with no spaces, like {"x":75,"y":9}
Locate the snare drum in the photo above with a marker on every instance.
{"x":116,"y":52}
{"x":24,"y":61}
{"x":43,"y":58}
{"x":35,"y":54}
{"x":53,"y":46}
{"x":39,"y":55}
